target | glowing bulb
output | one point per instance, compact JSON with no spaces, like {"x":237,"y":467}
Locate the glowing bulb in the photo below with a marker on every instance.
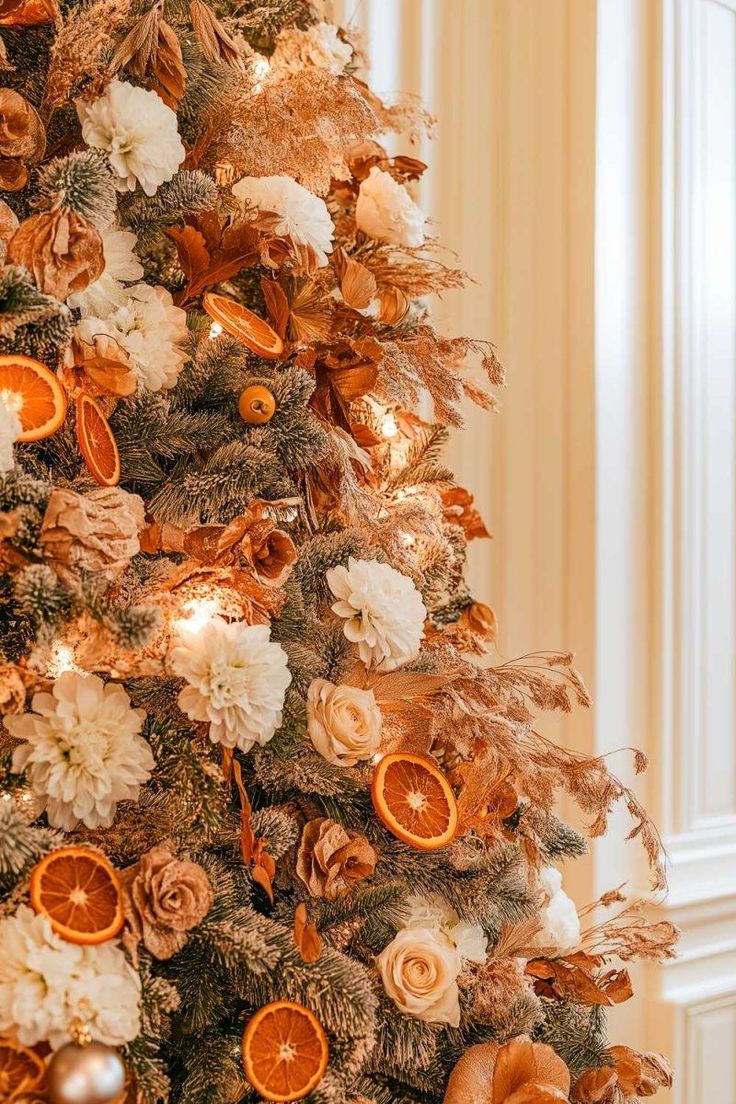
{"x":198,"y":612}
{"x":408,"y":540}
{"x":389,"y":427}
{"x":261,"y":69}
{"x":376,"y":758}
{"x":61,"y":660}
{"x":215,"y":330}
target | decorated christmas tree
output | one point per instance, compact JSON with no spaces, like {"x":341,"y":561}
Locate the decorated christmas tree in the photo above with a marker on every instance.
{"x":275,"y":821}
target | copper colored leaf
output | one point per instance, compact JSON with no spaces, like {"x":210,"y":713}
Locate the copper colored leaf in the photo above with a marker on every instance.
{"x":357,"y":283}
{"x":138,"y":48}
{"x":211,"y":251}
{"x":214,"y":41}
{"x":393,"y":305}
{"x":61,"y":249}
{"x":576,"y":977}
{"x":168,"y":65}
{"x":595,"y":1086}
{"x":306,"y":936}
{"x":277,"y":305}
{"x":640,"y":1073}
{"x":191,"y":246}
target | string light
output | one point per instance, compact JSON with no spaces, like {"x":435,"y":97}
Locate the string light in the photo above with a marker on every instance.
{"x":198,"y":612}
{"x":215,"y":330}
{"x":389,"y":425}
{"x":261,"y":69}
{"x":61,"y":660}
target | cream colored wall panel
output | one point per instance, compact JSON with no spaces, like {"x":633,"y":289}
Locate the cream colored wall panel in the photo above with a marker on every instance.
{"x":711,"y":1047}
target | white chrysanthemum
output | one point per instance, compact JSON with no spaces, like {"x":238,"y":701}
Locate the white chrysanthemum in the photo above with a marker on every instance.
{"x":560,"y":920}
{"x":237,"y":681}
{"x":121,"y":267}
{"x":385,"y":211}
{"x":435,"y":912}
{"x":10,"y":430}
{"x":303,"y":216}
{"x":138,"y":131}
{"x":82,"y":750}
{"x":45,"y":980}
{"x":383,"y":609}
{"x":319,"y":45}
{"x":150,"y":328}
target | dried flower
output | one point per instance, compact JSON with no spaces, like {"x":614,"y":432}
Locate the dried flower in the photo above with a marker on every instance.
{"x":237,"y":680}
{"x":10,"y":431}
{"x":61,"y":249}
{"x":519,"y":1072}
{"x":82,"y":750}
{"x":383,"y":610}
{"x":560,"y":921}
{"x":139,"y":132}
{"x":385,"y":211}
{"x":12,"y":689}
{"x":163,"y":899}
{"x":331,"y":861}
{"x":273,"y":553}
{"x":151,"y":330}
{"x":96,"y":532}
{"x":43,"y":978}
{"x":301,"y":216}
{"x":22,"y":139}
{"x":8,"y":224}
{"x":344,"y":723}
{"x":318,"y":45}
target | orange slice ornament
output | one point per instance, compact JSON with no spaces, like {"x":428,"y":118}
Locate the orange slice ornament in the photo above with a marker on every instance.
{"x":21,"y":1070}
{"x":285,"y":1051}
{"x":31,"y":390}
{"x":96,"y":442}
{"x":244,"y":325}
{"x":415,"y":801}
{"x":78,"y":890}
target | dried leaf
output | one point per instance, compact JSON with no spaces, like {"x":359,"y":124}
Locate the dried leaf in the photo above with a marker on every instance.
{"x":357,"y":283}
{"x":61,"y":249}
{"x":575,"y":977}
{"x":151,"y":49}
{"x":211,"y":251}
{"x":306,"y":936}
{"x":214,"y":41}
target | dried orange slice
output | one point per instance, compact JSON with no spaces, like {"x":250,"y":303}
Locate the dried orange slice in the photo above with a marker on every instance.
{"x":79,"y":891}
{"x":285,"y":1051}
{"x":244,"y":325}
{"x":21,"y":1070}
{"x":415,"y":801}
{"x":34,"y":393}
{"x":97,"y":443}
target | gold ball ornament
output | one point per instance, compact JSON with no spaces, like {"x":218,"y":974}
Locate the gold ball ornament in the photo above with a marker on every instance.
{"x":256,"y":405}
{"x":92,"y":1074}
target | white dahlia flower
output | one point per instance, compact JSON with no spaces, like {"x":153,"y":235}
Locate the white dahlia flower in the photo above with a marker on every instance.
{"x":435,"y":911}
{"x":121,"y":267}
{"x":237,"y":680}
{"x":82,"y":751}
{"x":302,"y":215}
{"x":383,"y":610}
{"x":10,"y":430}
{"x":138,"y":131}
{"x":151,"y":330}
{"x":45,"y":983}
{"x":561,"y":923}
{"x":385,"y":211}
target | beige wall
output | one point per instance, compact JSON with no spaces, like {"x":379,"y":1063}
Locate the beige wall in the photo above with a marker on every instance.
{"x":585,"y":170}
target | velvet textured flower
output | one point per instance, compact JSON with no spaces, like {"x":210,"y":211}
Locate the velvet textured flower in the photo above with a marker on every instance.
{"x":163,"y":898}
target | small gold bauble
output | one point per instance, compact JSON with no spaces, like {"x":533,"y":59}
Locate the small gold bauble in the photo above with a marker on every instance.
{"x":256,"y":405}
{"x":93,"y":1074}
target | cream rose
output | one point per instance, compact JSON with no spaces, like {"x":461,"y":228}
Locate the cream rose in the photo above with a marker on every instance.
{"x":344,"y":723}
{"x":419,"y":970}
{"x":385,"y":211}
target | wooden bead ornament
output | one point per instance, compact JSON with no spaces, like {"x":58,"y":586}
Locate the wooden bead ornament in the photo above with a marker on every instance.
{"x":256,"y":405}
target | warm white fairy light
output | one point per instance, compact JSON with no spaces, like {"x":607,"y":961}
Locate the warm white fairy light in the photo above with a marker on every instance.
{"x":215,"y":330}
{"x":389,"y":425}
{"x":408,"y":540}
{"x":61,"y":660}
{"x":198,"y":612}
{"x":261,"y":68}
